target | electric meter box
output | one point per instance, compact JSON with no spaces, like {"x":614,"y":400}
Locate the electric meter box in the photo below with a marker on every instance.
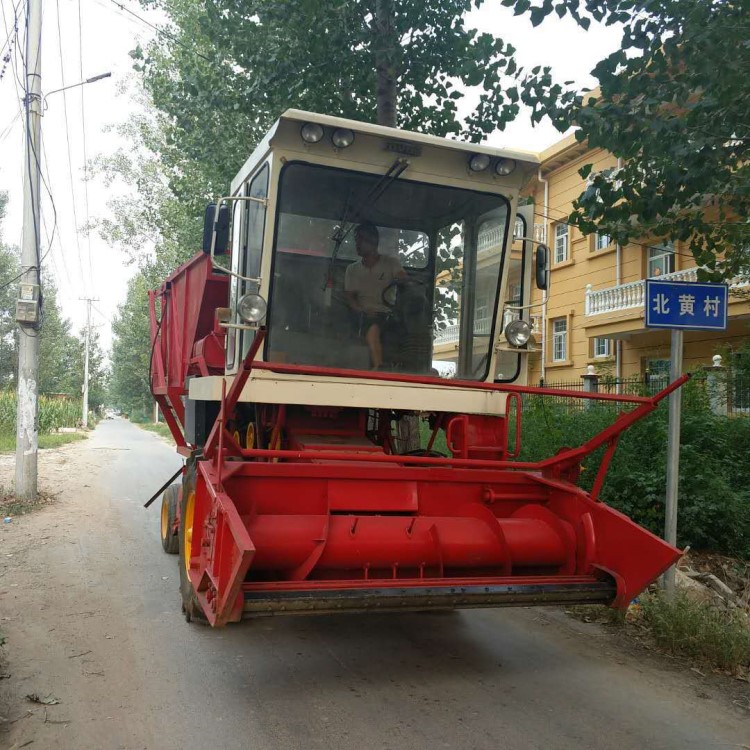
{"x":27,"y":304}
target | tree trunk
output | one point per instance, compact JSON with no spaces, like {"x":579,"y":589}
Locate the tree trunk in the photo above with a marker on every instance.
{"x":385,"y":63}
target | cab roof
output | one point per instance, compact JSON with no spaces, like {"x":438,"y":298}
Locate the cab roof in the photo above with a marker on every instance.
{"x":529,"y":158}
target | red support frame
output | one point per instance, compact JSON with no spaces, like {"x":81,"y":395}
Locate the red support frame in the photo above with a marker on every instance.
{"x":274,"y":522}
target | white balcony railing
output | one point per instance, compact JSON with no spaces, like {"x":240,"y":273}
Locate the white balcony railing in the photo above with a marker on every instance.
{"x":450,"y":334}
{"x":483,"y":326}
{"x":628,"y":296}
{"x":490,"y":239}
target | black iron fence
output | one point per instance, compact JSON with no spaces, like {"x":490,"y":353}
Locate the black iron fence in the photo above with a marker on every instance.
{"x":725,"y":391}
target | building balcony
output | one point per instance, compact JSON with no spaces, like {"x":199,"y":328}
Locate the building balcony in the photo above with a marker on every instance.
{"x":483,"y":327}
{"x":630,"y":296}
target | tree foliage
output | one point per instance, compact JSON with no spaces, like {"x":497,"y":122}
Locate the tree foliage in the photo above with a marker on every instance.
{"x":229,"y":69}
{"x":9,"y":270}
{"x":131,"y":351}
{"x":61,"y":352}
{"x":673,"y":103}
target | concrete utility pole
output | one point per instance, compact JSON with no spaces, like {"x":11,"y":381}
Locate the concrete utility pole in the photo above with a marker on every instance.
{"x":27,"y":307}
{"x":89,"y":301}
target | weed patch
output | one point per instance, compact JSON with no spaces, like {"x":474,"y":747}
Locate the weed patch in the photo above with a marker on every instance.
{"x":10,"y":506}
{"x":707,"y":632}
{"x":50,"y":440}
{"x":159,"y":429}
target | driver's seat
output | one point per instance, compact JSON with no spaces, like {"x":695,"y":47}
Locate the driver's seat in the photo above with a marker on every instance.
{"x":407,"y":341}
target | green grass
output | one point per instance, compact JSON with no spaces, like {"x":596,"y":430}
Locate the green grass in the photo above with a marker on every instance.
{"x":425,"y":433}
{"x":51,"y":440}
{"x":709,"y":633}
{"x":159,"y":429}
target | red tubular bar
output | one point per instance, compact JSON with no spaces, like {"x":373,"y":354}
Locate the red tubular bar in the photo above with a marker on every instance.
{"x":229,"y":400}
{"x":394,"y":377}
{"x":571,"y":455}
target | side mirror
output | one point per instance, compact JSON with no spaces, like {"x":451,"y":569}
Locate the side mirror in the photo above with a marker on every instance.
{"x":541,"y":267}
{"x":222,"y":229}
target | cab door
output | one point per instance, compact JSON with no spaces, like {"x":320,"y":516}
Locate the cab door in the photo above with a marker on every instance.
{"x":248,"y":226}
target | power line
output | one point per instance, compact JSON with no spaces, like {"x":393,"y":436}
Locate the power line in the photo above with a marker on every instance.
{"x":12,"y":36}
{"x":164,"y":33}
{"x":47,"y":181}
{"x":67,"y":138}
{"x":9,"y":127}
{"x":9,"y":39}
{"x":106,"y":317}
{"x":85,"y":155}
{"x":8,"y":283}
{"x":564,"y":221}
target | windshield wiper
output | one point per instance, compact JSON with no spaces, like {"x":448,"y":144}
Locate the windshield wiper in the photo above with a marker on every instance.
{"x":345,"y":226}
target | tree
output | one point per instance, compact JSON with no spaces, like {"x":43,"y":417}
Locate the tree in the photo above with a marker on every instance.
{"x":131,"y":350}
{"x":673,"y":103}
{"x":60,"y":363}
{"x":60,"y":351}
{"x":9,"y":270}
{"x":228,"y":69}
{"x":98,"y":373}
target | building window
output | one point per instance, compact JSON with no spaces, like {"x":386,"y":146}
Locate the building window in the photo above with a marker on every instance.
{"x":602,"y":241}
{"x":518,"y":228}
{"x":559,"y":339}
{"x":602,"y":347}
{"x":660,"y":260}
{"x":561,"y":243}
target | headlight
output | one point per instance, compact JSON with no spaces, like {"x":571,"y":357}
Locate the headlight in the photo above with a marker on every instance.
{"x":311,"y":132}
{"x":517,"y":332}
{"x":252,"y":308}
{"x":503,"y":167}
{"x":479,"y":162}
{"x":342,"y":137}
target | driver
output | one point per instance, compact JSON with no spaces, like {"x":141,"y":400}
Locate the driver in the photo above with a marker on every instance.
{"x":364,"y":284}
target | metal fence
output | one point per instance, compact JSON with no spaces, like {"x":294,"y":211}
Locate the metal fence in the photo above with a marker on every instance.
{"x":725,"y":391}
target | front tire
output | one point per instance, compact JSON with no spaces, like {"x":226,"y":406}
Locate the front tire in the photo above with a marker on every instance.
{"x":169,"y":540}
{"x":190,"y":605}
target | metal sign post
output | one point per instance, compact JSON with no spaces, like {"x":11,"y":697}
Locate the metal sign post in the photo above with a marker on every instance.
{"x":679,"y":306}
{"x":673,"y":452}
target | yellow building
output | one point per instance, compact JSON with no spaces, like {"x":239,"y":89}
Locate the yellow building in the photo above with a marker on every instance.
{"x":593,"y":314}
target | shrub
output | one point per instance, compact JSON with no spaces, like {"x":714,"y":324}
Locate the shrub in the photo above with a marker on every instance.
{"x":714,"y":498}
{"x":713,"y":634}
{"x":53,"y":413}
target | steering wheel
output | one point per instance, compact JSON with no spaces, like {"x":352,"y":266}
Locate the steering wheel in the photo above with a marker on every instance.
{"x":390,"y":293}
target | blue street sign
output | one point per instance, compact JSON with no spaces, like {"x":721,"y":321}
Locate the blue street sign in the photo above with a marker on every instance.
{"x":686,"y":304}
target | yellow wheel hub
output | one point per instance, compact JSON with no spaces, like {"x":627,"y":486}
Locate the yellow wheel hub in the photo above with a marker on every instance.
{"x":164,"y":518}
{"x":187,"y":536}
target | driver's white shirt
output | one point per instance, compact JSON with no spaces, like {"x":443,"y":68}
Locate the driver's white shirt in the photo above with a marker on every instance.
{"x":368,"y":283}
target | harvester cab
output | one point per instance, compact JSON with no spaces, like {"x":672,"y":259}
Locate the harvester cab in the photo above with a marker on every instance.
{"x":343,"y":368}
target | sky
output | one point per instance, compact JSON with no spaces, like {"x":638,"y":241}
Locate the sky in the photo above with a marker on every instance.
{"x":81,"y":122}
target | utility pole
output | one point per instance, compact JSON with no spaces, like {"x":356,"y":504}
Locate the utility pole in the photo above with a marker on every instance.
{"x":27,"y":307}
{"x":89,"y":301}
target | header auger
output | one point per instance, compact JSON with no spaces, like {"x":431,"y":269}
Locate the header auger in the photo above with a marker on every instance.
{"x":358,"y":281}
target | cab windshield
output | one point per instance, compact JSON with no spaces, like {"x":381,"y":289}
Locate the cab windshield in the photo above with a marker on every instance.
{"x":392,"y":275}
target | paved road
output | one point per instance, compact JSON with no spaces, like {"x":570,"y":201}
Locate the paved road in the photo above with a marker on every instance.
{"x":93,"y":618}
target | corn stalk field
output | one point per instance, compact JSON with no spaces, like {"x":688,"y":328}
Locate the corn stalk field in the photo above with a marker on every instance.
{"x":53,"y":413}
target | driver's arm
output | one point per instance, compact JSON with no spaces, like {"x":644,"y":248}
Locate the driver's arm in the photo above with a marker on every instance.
{"x":397,"y":269}
{"x":352,"y":298}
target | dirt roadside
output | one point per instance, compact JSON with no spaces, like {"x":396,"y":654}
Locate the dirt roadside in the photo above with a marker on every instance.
{"x":67,"y":640}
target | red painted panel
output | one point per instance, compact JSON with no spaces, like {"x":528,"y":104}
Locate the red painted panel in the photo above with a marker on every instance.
{"x":385,"y":497}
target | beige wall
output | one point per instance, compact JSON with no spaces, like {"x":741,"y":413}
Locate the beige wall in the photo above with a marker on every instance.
{"x":586,"y":265}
